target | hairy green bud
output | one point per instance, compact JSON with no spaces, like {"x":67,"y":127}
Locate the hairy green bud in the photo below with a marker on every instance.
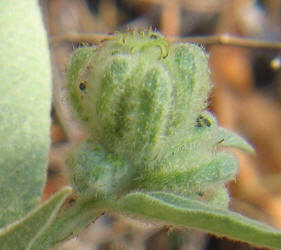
{"x":96,"y":172}
{"x":143,"y":100}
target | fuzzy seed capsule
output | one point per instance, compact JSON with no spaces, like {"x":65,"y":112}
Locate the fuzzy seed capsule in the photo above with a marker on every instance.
{"x":142,"y":93}
{"x":143,"y":101}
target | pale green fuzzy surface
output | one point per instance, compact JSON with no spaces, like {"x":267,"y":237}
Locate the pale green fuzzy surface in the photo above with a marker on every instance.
{"x":95,"y":172}
{"x":144,"y":101}
{"x":25,"y":96}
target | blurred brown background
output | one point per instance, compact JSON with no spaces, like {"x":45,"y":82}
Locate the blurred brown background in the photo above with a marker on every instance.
{"x":246,"y":99}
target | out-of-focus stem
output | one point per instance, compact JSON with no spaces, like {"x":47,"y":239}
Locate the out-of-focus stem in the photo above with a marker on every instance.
{"x":222,"y":39}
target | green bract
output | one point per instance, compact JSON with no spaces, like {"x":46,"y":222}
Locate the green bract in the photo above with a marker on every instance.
{"x":143,"y":102}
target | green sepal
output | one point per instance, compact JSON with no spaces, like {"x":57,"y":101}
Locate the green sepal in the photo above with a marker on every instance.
{"x":231,"y":139}
{"x":79,"y":58}
{"x":94,"y":172}
{"x":198,"y":183}
{"x":175,"y":210}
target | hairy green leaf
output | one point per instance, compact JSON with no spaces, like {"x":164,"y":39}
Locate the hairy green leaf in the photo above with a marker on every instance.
{"x":22,"y":234}
{"x":25,"y":96}
{"x":69,"y":223}
{"x":176,"y":210}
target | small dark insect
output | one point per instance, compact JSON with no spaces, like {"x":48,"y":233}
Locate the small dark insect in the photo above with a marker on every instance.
{"x":201,"y":194}
{"x":82,"y":85}
{"x":201,"y":121}
{"x":153,"y":37}
{"x":72,"y":200}
{"x":114,"y":52}
{"x":220,"y":141}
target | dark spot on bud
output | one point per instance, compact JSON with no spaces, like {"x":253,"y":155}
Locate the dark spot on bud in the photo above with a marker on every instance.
{"x":201,"y":194}
{"x":114,"y":52}
{"x":201,"y":121}
{"x":153,"y":36}
{"x":220,"y":141}
{"x":89,"y":67}
{"x":72,"y":200}
{"x":82,"y":85}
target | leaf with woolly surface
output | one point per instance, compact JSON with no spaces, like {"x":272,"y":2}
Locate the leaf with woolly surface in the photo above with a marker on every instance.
{"x":25,"y":96}
{"x":22,"y":234}
{"x":180,"y":211}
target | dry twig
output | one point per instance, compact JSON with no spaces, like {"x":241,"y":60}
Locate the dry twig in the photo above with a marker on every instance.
{"x":223,"y":39}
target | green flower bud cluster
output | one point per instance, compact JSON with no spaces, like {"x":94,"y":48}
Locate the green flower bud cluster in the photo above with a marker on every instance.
{"x":143,"y":103}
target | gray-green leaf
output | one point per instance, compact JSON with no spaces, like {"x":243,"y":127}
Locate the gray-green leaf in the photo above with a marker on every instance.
{"x":177,"y":210}
{"x":22,"y":234}
{"x":25,"y":95}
